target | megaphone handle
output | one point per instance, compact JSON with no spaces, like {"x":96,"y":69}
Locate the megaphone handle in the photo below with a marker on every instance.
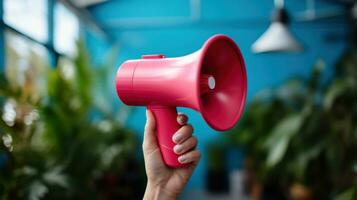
{"x":166,"y":127}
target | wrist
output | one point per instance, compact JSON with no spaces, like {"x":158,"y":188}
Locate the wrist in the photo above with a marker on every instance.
{"x":156,"y":192}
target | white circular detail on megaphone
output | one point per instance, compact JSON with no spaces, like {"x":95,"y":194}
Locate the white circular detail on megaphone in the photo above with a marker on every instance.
{"x":211,"y":82}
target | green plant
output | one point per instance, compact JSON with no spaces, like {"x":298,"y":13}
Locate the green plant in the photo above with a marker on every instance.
{"x":305,"y":132}
{"x":60,"y":144}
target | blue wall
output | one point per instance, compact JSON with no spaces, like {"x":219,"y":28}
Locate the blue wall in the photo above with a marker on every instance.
{"x":243,"y":20}
{"x":2,"y":38}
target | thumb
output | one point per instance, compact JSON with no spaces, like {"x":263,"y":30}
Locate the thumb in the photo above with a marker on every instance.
{"x":150,"y":131}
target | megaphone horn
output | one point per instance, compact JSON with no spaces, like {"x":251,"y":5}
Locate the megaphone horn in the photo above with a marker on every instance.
{"x":211,"y":80}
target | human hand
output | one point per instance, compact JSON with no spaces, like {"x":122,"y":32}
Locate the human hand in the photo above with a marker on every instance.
{"x":165,"y":182}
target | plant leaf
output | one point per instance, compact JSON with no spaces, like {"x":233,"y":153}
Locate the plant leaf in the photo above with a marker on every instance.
{"x":337,"y":88}
{"x":277,"y":152}
{"x":37,"y":190}
{"x":280,"y":137}
{"x":348,"y":194}
{"x":56,"y":177}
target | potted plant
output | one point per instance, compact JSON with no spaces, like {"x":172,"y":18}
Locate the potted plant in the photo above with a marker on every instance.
{"x":301,"y":137}
{"x":58,"y":144}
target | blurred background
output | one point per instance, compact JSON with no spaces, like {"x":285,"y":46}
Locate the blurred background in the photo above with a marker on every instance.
{"x":65,"y":135}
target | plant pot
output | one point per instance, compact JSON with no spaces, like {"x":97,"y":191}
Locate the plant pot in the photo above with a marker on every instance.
{"x":237,"y":185}
{"x":300,"y":192}
{"x":217,"y":181}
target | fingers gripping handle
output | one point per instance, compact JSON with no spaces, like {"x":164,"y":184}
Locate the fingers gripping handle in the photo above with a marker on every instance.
{"x":166,"y":126}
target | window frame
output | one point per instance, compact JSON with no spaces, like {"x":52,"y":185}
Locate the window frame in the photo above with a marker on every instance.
{"x":82,"y":14}
{"x":49,"y":44}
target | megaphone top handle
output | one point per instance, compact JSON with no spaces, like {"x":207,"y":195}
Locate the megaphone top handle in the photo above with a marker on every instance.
{"x":166,"y":127}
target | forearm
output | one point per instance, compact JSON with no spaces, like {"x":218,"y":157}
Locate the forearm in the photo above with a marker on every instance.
{"x":158,"y":193}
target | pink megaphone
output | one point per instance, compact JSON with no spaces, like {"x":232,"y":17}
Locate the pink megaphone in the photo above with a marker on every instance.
{"x":211,"y":80}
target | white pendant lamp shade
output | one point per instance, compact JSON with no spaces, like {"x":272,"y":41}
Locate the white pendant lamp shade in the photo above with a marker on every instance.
{"x":277,"y":38}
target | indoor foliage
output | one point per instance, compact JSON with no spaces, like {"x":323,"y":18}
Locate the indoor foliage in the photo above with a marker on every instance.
{"x":58,"y":142}
{"x":301,"y":138}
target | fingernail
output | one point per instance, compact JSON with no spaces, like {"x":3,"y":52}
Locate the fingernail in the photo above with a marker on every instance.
{"x":181,"y":119}
{"x":177,"y":137}
{"x":178,"y":148}
{"x":182,"y":159}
